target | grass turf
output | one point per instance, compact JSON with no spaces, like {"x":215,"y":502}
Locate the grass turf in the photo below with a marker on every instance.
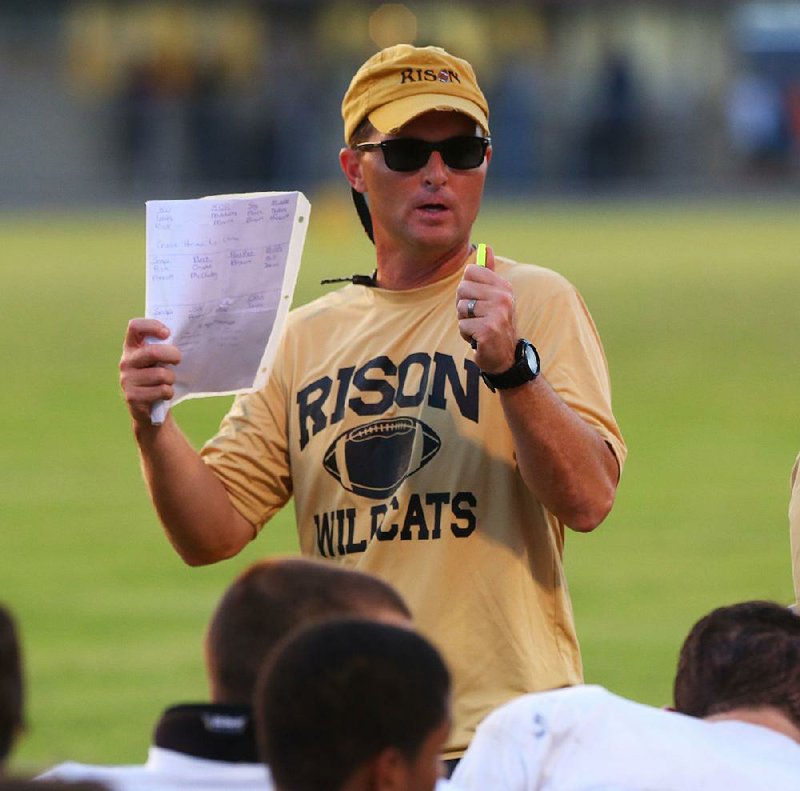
{"x":697,"y":307}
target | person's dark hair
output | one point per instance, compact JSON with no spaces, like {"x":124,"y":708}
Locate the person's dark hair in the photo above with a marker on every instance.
{"x":743,"y":655}
{"x":12,"y":686}
{"x":336,"y":694}
{"x":269,"y":600}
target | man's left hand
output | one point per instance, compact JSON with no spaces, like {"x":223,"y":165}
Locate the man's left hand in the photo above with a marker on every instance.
{"x":485,"y":310}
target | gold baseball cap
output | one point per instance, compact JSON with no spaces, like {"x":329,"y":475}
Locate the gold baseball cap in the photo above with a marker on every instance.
{"x":401,"y":82}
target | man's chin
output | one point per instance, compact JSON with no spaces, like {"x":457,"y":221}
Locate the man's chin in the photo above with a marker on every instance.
{"x":440,"y":234}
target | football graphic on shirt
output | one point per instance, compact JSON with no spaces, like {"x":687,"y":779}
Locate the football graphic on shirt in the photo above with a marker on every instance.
{"x":372,"y":460}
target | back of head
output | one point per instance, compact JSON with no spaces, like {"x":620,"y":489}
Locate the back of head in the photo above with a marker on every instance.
{"x":742,"y":656}
{"x":275,"y":596}
{"x":337,"y":694}
{"x":12,"y":698}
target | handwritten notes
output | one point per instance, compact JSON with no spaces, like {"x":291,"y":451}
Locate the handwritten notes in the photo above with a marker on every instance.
{"x":221,"y":273}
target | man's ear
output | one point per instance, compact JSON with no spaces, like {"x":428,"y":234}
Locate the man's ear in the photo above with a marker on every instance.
{"x":389,"y":770}
{"x":351,"y":167}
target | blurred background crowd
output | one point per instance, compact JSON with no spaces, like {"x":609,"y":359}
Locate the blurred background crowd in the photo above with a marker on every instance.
{"x":112,"y":101}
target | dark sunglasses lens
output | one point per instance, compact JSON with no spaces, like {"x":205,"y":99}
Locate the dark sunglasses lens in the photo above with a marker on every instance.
{"x":463,"y":153}
{"x":405,"y":154}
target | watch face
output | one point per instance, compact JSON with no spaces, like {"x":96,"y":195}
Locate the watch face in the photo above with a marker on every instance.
{"x":532,"y":359}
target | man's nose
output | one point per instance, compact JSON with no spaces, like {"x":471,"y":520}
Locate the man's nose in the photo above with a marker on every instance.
{"x":435,"y":171}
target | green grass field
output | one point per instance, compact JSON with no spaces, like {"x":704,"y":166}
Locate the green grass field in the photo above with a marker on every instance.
{"x":697,"y":304}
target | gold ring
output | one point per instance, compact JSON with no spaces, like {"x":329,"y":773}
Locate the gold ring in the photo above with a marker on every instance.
{"x":471,"y":308}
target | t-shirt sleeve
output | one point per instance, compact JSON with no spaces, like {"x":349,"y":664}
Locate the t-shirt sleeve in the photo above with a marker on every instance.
{"x":250,"y":454}
{"x":572,"y":357}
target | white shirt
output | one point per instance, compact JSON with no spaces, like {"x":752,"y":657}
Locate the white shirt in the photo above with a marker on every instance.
{"x":585,"y":738}
{"x":167,"y":770}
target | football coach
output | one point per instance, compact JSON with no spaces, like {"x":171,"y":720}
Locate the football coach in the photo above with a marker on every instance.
{"x":439,"y":423}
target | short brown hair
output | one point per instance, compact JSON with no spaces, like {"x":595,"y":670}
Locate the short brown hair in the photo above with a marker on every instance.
{"x":743,"y":655}
{"x":270,"y":599}
{"x":362,"y":133}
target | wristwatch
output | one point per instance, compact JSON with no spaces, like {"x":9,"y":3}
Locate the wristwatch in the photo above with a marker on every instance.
{"x":525,"y":368}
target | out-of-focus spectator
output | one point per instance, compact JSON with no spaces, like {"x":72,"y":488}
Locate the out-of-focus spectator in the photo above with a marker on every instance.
{"x":757,"y":123}
{"x":614,"y":137}
{"x":514,"y":98}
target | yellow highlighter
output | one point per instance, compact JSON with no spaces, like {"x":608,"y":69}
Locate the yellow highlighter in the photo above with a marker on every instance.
{"x":480,"y":260}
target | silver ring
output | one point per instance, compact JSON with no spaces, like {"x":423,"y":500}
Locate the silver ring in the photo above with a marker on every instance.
{"x":471,"y":308}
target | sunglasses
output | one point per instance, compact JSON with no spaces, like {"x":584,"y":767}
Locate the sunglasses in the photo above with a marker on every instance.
{"x":405,"y":154}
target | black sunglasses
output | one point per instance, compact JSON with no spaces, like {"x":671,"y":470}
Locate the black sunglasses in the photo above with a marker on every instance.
{"x":405,"y":154}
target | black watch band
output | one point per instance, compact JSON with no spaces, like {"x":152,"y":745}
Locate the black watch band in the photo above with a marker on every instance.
{"x":526,"y":368}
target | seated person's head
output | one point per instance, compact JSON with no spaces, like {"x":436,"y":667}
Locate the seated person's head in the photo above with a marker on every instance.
{"x":275,"y":596}
{"x":12,"y":697}
{"x":356,"y":705}
{"x":744,"y":656}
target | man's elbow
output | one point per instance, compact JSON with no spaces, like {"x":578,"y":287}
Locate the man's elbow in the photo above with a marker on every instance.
{"x":591,"y":513}
{"x":216,"y":541}
{"x":206,"y":555}
{"x":196,"y":559}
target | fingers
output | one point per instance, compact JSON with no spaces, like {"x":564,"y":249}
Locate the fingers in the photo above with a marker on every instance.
{"x":485,"y":314}
{"x":476,"y":301}
{"x":145,"y":376}
{"x":141,"y":329}
{"x":492,"y":328}
{"x":149,"y":354}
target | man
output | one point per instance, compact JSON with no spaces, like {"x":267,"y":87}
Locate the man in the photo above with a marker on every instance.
{"x":12,"y":687}
{"x":212,"y":746}
{"x":448,"y":470}
{"x":353,"y":706}
{"x":738,"y":680}
{"x":794,"y":529}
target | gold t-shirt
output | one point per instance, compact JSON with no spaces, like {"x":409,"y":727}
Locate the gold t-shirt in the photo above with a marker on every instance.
{"x":401,"y":464}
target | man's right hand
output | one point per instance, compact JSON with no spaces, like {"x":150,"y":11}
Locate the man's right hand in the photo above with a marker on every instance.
{"x":145,"y":372}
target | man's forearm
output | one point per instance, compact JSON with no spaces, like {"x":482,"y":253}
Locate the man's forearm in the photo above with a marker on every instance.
{"x":563,"y":461}
{"x":199,"y":519}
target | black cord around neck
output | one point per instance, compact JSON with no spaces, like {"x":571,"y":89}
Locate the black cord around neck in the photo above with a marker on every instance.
{"x":363,"y":212}
{"x":358,"y":280}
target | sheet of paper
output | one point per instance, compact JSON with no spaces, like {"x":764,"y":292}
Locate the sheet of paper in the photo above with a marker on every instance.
{"x":221,"y":273}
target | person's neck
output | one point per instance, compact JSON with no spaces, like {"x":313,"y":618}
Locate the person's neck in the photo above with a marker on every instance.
{"x":400,"y":270}
{"x":765,"y":716}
